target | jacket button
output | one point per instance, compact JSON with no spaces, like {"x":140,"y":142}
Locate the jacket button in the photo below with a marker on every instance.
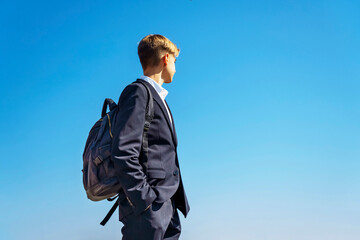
{"x":176,"y":172}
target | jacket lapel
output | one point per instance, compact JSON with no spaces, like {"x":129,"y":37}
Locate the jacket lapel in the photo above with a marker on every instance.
{"x":158,"y":100}
{"x":173,"y":125}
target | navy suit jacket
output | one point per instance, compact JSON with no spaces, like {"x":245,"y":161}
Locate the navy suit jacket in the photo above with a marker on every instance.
{"x":145,"y":180}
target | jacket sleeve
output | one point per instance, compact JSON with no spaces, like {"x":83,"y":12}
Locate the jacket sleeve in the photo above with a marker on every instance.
{"x":128,"y":130}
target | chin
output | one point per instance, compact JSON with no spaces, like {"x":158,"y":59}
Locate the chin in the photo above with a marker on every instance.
{"x":168,"y":80}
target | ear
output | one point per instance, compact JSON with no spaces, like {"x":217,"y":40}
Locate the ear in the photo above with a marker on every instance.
{"x":166,"y":59}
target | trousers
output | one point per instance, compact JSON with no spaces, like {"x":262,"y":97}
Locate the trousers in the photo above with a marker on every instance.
{"x":160,"y":222}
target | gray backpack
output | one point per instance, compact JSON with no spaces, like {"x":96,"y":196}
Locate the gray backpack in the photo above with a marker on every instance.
{"x":99,"y":178}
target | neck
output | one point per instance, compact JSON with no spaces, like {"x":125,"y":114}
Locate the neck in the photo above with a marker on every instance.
{"x":157,"y":78}
{"x":155,"y":75}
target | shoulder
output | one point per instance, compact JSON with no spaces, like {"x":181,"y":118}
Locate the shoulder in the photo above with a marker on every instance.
{"x":133,"y":90}
{"x":135,"y":87}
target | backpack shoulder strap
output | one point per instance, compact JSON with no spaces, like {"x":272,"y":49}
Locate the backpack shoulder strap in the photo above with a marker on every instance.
{"x":149,"y":115}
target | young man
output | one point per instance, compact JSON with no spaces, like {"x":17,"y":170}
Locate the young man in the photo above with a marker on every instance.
{"x":152,"y":185}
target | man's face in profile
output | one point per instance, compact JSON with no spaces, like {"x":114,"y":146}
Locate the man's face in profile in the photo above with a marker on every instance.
{"x":169,"y":68}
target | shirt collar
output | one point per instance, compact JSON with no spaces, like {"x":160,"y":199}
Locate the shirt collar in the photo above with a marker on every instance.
{"x":159,"y":89}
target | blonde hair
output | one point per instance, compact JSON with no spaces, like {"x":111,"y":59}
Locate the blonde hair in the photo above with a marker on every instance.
{"x":152,"y":47}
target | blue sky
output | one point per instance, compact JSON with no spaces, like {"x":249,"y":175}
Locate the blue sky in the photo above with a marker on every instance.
{"x":265,"y":100}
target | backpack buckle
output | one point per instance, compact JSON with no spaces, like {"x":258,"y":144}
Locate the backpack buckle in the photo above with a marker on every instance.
{"x":98,"y":160}
{"x":146,"y":126}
